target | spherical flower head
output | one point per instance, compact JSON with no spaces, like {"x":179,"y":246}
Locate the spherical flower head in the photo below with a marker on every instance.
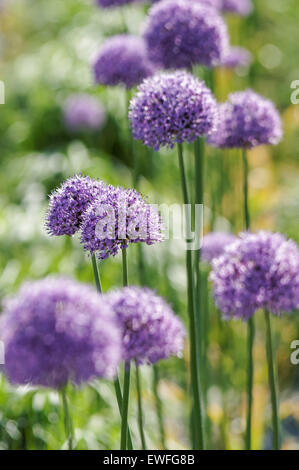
{"x":180,"y":34}
{"x":123,"y":60}
{"x":172,"y":108}
{"x":258,"y":271}
{"x":239,"y":7}
{"x":150,"y":329}
{"x":57,"y":330}
{"x":217,"y":4}
{"x":120,"y":217}
{"x":83,"y":112}
{"x":69,"y":202}
{"x":214,"y":244}
{"x":237,"y":57}
{"x":247,"y":120}
{"x":115,"y":3}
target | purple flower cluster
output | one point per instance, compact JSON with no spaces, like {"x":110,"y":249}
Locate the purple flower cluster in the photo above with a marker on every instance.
{"x":214,"y":244}
{"x":237,"y":57}
{"x":239,"y":7}
{"x":150,"y":329}
{"x":58,"y":330}
{"x":69,"y":202}
{"x":123,"y":60}
{"x":118,"y":218}
{"x":247,"y":120}
{"x":258,"y":271}
{"x":83,"y":112}
{"x":115,"y":3}
{"x":172,"y":108}
{"x":180,"y":34}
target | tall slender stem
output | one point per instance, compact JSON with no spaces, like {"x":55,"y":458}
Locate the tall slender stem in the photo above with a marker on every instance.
{"x":125,"y":407}
{"x":125,"y":266}
{"x":194,"y":349}
{"x":245,"y":189}
{"x":117,"y":387}
{"x":96,"y":273}
{"x":272,"y":382}
{"x":250,"y":325}
{"x":132,"y":148}
{"x":125,"y":404}
{"x":119,"y":398}
{"x":158,"y":403}
{"x":140,"y":412}
{"x":68,"y":426}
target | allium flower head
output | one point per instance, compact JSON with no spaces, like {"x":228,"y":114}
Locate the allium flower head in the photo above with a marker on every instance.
{"x":122,"y":60}
{"x":180,"y":34}
{"x":239,"y":7}
{"x":237,"y":57}
{"x":258,"y":271}
{"x":150,"y":329}
{"x":214,"y":244}
{"x":247,"y":120}
{"x":217,"y":4}
{"x":83,"y":112}
{"x":172,"y":108}
{"x":118,"y":218}
{"x":69,"y":202}
{"x":57,"y":330}
{"x":115,"y":3}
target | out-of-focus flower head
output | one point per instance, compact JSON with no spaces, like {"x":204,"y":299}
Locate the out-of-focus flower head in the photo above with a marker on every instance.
{"x":116,"y":3}
{"x":247,"y":120}
{"x":57,"y":330}
{"x":257,"y":271}
{"x":121,"y":216}
{"x":214,"y":244}
{"x":150,"y":329}
{"x":181,"y":34}
{"x":239,"y":7}
{"x":69,"y":202}
{"x":172,"y":108}
{"x":123,"y":60}
{"x":237,"y":57}
{"x":83,"y":112}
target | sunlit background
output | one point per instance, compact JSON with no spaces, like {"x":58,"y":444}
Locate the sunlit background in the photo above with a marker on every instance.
{"x":46,"y":51}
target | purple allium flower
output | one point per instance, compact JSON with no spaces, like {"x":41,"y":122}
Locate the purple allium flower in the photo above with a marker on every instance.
{"x":237,"y":57}
{"x":115,"y":3}
{"x":150,"y":329}
{"x":121,"y":216}
{"x":239,"y":7}
{"x":247,"y":120}
{"x":82,"y":111}
{"x":214,"y":244}
{"x":180,"y":34}
{"x":69,"y":202}
{"x":57,"y":330}
{"x":123,"y":60}
{"x":258,"y":271}
{"x":217,"y":4}
{"x":172,"y":108}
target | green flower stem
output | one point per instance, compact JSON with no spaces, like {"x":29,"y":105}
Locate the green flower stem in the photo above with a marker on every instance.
{"x":126,"y":394}
{"x":250,"y":325}
{"x":125,"y":266}
{"x":140,"y":411}
{"x":272,"y":382}
{"x":68,"y":426}
{"x":125,"y":407}
{"x":96,"y":273}
{"x":117,"y":387}
{"x":158,"y":404}
{"x":194,"y":343}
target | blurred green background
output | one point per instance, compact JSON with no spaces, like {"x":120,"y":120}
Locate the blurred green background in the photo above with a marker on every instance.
{"x":46,"y":49}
